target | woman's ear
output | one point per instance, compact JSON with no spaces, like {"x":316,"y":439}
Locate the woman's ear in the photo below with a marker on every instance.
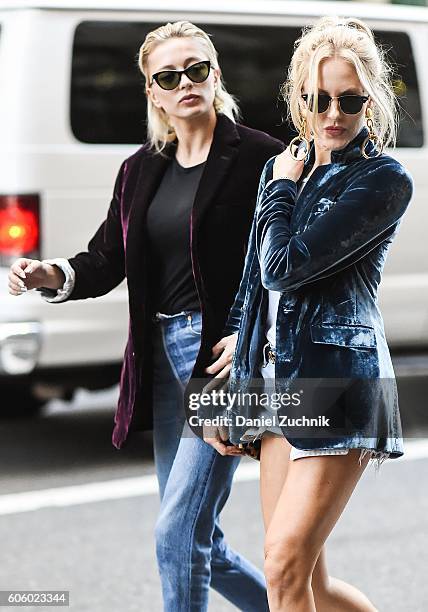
{"x":303,"y":107}
{"x":153,"y":97}
{"x":217,"y":77}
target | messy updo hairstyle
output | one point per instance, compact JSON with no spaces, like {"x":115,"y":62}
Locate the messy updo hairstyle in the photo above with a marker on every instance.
{"x":159,"y":130}
{"x":351,"y":39}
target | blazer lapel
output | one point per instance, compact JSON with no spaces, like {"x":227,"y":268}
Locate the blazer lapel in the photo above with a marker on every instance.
{"x":223,"y":151}
{"x":150,"y":173}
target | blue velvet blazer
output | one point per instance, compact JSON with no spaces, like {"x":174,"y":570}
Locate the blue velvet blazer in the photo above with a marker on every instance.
{"x":324,"y":252}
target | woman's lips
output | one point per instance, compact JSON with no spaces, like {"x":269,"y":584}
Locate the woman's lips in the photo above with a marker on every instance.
{"x":334,"y":131}
{"x":189,"y":99}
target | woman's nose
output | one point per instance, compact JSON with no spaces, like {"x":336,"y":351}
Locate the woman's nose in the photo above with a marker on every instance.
{"x":334,"y":108}
{"x":185,"y":81}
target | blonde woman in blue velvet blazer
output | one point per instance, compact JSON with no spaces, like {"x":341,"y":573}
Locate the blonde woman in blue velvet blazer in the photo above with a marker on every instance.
{"x":313,"y":267}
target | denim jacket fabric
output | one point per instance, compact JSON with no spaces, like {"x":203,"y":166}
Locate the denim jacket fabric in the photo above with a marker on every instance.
{"x":325,"y":252}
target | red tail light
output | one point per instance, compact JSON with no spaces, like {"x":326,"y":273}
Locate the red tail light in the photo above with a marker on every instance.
{"x":19,"y":227}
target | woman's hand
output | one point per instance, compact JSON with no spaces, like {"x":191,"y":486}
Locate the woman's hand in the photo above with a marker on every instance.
{"x":35,"y":273}
{"x":217,"y":437}
{"x":224,"y":350}
{"x":286,"y":166}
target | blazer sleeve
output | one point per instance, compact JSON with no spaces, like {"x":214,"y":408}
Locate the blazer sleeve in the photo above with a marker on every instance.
{"x":366,"y":213}
{"x":102,"y":267}
{"x":234,"y":318}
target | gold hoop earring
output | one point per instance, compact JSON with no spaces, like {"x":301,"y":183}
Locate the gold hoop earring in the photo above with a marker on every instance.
{"x":371,"y":136}
{"x":303,"y":141}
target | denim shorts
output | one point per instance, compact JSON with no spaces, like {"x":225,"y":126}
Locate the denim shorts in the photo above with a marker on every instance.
{"x":267,"y":370}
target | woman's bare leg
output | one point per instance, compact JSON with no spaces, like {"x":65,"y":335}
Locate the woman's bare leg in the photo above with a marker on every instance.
{"x":328,"y":594}
{"x":274,"y":461}
{"x":334,"y":595}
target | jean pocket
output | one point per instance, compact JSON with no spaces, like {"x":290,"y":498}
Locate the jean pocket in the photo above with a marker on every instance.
{"x":194,"y":323}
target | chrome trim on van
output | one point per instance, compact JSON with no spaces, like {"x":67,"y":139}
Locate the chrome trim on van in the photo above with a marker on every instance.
{"x":20,"y":345}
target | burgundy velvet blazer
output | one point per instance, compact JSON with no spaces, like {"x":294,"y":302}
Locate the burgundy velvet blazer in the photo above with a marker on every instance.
{"x":220,"y":224}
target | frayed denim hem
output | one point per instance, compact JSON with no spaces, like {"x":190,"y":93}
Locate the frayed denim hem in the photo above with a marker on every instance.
{"x":376,"y":457}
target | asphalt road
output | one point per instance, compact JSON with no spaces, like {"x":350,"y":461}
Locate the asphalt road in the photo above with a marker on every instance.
{"x":99,"y":545}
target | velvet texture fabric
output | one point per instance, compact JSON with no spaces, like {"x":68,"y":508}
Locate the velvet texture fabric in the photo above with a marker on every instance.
{"x":325,"y":253}
{"x":220,"y":223}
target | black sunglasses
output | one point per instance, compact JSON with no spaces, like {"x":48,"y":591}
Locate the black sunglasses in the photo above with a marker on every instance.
{"x":169,"y":79}
{"x":349,"y":104}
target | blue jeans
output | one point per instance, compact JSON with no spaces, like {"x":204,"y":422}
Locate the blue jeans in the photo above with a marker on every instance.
{"x":194,"y":483}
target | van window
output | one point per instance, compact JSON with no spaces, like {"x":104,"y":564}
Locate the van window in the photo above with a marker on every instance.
{"x":400,"y":55}
{"x":107,"y":91}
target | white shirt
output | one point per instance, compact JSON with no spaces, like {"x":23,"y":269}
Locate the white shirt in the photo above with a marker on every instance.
{"x":68,"y":286}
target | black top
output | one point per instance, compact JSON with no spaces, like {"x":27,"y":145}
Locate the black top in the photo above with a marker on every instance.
{"x":168,"y":229}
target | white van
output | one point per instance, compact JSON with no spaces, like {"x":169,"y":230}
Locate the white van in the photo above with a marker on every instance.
{"x":72,"y":108}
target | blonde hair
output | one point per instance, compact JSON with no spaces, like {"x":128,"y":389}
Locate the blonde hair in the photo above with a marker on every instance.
{"x":159,"y":130}
{"x":351,"y":39}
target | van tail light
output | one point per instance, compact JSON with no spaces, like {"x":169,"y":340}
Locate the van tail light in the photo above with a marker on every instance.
{"x":19,"y":227}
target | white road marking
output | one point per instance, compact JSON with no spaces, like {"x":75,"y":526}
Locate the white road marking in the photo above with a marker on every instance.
{"x":59,"y":497}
